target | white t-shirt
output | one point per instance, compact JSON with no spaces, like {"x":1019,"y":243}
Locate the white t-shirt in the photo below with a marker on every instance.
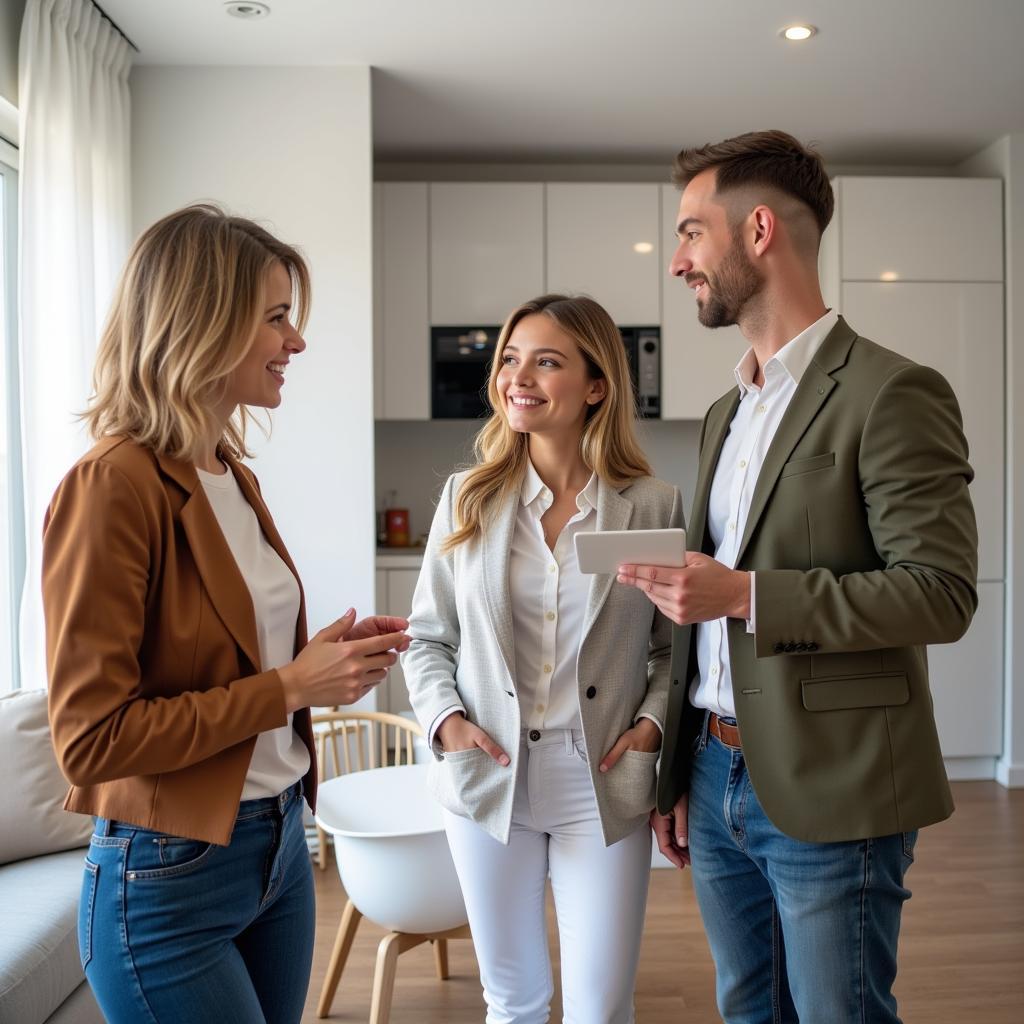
{"x":280,"y":758}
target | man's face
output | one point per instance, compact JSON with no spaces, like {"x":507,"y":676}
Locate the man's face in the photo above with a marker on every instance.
{"x":711,"y":256}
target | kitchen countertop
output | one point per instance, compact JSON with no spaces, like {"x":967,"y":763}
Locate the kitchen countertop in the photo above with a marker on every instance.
{"x":399,"y":558}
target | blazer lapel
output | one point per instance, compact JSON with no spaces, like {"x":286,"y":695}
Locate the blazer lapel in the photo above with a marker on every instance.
{"x":717,"y":430}
{"x":614,"y":512}
{"x":811,"y":394}
{"x":263,"y":517}
{"x":497,"y":548}
{"x":216,"y":564}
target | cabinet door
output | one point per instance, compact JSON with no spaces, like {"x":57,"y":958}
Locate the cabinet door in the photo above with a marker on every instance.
{"x":696,"y":362}
{"x":401,"y":584}
{"x":486,"y":251}
{"x":921,"y":229}
{"x":403,"y":336}
{"x":957,"y":329}
{"x":967,"y":682}
{"x":604,"y":241}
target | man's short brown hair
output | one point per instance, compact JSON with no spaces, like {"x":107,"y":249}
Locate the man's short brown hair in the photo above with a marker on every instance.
{"x":773,"y":159}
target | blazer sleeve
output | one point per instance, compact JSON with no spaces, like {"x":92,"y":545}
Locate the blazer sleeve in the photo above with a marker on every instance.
{"x":99,"y":542}
{"x":914,"y":478}
{"x":430,"y":662}
{"x":659,"y":658}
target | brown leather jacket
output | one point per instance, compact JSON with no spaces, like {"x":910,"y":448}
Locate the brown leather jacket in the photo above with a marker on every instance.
{"x":156,"y":692}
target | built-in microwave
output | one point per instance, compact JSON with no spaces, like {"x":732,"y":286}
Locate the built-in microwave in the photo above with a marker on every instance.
{"x":461,"y":359}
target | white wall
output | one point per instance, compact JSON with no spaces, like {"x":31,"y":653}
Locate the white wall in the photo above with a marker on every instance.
{"x":1005,"y":159}
{"x":290,"y":147}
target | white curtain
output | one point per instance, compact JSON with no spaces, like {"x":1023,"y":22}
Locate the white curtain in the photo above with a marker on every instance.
{"x":75,"y":219}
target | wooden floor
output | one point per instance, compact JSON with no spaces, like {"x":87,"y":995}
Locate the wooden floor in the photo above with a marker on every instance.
{"x":961,"y":950}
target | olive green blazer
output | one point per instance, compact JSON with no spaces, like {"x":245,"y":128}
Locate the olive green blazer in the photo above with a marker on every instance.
{"x":862,"y":534}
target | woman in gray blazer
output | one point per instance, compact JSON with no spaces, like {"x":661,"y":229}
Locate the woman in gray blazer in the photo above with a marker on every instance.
{"x":543,"y":691}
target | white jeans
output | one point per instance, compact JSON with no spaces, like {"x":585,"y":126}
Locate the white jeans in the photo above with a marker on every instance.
{"x":600,"y":894}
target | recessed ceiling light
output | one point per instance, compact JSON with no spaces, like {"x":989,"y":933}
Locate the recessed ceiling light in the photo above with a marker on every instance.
{"x":249,"y":11}
{"x":643,"y":247}
{"x":797,"y":33}
{"x":889,"y":275}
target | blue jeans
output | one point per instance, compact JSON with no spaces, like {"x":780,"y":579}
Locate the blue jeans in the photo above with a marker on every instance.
{"x":799,"y":931}
{"x":176,"y":931}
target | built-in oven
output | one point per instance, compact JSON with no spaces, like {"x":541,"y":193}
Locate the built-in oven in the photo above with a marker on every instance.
{"x":461,"y":359}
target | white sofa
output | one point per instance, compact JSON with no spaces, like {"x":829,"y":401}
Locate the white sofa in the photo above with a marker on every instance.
{"x":42,"y":847}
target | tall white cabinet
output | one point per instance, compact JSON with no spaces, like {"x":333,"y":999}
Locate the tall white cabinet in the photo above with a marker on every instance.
{"x":916,"y":265}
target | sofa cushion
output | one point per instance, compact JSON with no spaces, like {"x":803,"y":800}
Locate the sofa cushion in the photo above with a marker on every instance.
{"x":79,"y":1008}
{"x":39,"y":961}
{"x":35,"y":821}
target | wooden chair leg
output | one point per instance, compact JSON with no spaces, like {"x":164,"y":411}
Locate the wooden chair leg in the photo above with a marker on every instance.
{"x":350,"y":919}
{"x":321,"y":848}
{"x":391,"y":947}
{"x":441,"y":957}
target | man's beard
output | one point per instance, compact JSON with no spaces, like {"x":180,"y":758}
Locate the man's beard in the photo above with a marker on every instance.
{"x":736,"y":281}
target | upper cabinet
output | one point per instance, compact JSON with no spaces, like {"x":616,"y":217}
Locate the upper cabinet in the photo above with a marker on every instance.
{"x":486,"y":251}
{"x":401,"y":302}
{"x":696,"y":362}
{"x":920,"y":229}
{"x":605,"y":241}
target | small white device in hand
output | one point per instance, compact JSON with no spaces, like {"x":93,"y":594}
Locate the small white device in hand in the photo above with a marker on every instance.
{"x":606,"y":550}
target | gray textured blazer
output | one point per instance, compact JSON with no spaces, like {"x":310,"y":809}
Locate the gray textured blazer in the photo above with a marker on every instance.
{"x":462,"y":655}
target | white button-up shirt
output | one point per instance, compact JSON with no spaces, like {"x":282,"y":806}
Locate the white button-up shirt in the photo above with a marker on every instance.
{"x":753,"y":427}
{"x":549,"y":602}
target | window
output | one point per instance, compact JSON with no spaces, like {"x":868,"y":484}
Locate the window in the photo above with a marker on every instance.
{"x":12,"y":553}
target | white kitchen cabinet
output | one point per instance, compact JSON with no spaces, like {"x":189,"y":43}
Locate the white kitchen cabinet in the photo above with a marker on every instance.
{"x":958,"y":330}
{"x":486,"y":250}
{"x":920,"y":229}
{"x":966,"y":681}
{"x":395,"y":588}
{"x":401,"y":302}
{"x":604,"y":240}
{"x":696,"y":362}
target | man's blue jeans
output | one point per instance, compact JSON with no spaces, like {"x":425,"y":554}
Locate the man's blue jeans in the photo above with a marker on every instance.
{"x":173,"y":930}
{"x":799,"y":931}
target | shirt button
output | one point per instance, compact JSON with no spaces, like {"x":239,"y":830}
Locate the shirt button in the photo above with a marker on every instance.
{"x":761,"y":408}
{"x":547,"y":668}
{"x":550,"y":616}
{"x":551,"y":568}
{"x":540,"y":708}
{"x":732,"y":527}
{"x":714,"y":670}
{"x":743,"y":463}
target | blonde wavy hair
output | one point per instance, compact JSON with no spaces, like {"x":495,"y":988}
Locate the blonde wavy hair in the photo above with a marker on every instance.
{"x":609,"y":446}
{"x":185,"y":312}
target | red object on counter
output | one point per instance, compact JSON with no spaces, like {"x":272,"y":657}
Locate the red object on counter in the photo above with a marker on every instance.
{"x":397,"y":520}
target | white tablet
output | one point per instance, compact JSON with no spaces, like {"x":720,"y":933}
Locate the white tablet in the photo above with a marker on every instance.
{"x":606,"y":550}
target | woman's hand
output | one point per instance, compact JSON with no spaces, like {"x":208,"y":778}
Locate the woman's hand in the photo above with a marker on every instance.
{"x":457,"y":733}
{"x":645,"y":736}
{"x":343,"y":662}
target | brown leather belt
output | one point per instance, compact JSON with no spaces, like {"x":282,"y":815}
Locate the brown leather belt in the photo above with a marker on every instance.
{"x":728,"y":734}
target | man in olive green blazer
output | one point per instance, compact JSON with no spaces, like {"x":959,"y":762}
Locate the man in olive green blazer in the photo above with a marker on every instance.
{"x":833,"y":538}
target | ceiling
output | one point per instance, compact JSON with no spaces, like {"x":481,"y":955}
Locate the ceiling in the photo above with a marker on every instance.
{"x":921,"y":82}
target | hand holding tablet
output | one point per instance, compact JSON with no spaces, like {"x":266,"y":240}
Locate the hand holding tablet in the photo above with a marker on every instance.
{"x":605,"y":550}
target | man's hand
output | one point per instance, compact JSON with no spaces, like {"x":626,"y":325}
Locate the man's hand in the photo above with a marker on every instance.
{"x":672,"y":832}
{"x":703,"y":590}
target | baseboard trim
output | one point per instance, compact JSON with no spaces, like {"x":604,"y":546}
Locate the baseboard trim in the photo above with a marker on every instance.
{"x":970,"y":769}
{"x":1009,"y":774}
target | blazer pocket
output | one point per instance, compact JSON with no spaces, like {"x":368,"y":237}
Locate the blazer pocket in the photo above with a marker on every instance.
{"x":842,"y":693}
{"x":797,"y":466}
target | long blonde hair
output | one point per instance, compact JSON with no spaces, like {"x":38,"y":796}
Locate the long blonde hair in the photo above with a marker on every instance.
{"x":609,"y":446}
{"x":185,"y":312}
